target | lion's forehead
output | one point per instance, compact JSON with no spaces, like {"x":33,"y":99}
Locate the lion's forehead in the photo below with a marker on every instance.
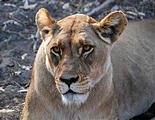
{"x":74,"y":23}
{"x":73,"y":29}
{"x":77,"y":18}
{"x":77,"y":39}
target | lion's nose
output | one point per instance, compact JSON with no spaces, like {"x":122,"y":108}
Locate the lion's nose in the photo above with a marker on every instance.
{"x":69,"y":79}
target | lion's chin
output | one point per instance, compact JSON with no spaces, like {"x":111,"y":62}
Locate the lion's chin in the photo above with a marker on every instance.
{"x":77,"y":99}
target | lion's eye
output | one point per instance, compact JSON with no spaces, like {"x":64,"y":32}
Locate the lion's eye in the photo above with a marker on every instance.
{"x":46,"y":31}
{"x":87,"y":49}
{"x":56,"y":50}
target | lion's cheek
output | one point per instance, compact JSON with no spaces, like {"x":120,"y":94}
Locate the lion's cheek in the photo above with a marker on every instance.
{"x":49,"y":66}
{"x":96,"y":76}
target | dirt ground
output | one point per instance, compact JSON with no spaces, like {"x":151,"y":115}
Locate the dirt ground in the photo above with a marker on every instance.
{"x":19,"y":43}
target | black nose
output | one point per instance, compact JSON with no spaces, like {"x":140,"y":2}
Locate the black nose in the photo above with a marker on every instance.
{"x":69,"y":79}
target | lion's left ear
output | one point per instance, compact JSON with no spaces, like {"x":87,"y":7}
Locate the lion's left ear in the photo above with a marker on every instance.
{"x":111,"y":26}
{"x":45,"y":23}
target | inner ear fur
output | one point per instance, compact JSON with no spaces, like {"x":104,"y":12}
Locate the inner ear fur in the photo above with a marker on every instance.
{"x":111,"y":26}
{"x":45,"y":23}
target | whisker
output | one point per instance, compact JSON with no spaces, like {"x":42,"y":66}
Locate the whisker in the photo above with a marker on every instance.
{"x":81,"y":87}
{"x":82,"y":83}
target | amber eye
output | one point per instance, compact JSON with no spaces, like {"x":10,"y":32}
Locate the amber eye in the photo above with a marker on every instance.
{"x":56,"y":50}
{"x":87,"y":49}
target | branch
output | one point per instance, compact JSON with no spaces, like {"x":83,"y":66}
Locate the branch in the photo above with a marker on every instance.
{"x":103,"y":5}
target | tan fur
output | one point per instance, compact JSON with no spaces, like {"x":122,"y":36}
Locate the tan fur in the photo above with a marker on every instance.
{"x":105,"y":91}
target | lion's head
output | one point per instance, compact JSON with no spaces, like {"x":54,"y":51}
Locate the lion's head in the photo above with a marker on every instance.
{"x":77,"y":50}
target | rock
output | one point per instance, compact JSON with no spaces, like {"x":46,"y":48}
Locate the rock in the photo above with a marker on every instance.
{"x":66,"y":6}
{"x":9,"y":5}
{"x":2,"y":88}
{"x":32,"y":1}
{"x":16,"y":100}
{"x":132,"y":13}
{"x":17,"y":73}
{"x":24,"y":67}
{"x":130,"y":17}
{"x":28,"y":6}
{"x":141,"y":14}
{"x":23,"y":91}
{"x":11,"y":64}
{"x":23,"y":56}
{"x":90,"y":4}
{"x":6,"y":111}
{"x":86,"y":9}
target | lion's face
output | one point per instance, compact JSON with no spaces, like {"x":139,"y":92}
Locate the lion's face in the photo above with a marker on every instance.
{"x":75,"y":59}
{"x":77,"y":52}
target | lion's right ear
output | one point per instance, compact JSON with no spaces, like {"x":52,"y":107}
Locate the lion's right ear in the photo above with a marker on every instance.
{"x":45,"y":23}
{"x":111,"y":27}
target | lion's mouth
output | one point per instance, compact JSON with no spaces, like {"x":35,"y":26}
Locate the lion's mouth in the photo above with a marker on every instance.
{"x":76,"y":93}
{"x":71,"y":92}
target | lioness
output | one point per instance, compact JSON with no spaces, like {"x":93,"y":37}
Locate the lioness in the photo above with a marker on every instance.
{"x":73,"y":77}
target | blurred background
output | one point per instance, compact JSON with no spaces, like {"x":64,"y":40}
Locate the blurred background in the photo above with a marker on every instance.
{"x":19,"y":41}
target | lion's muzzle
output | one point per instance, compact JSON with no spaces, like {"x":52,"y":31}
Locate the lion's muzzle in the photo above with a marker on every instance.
{"x":72,"y":89}
{"x":69,"y":79}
